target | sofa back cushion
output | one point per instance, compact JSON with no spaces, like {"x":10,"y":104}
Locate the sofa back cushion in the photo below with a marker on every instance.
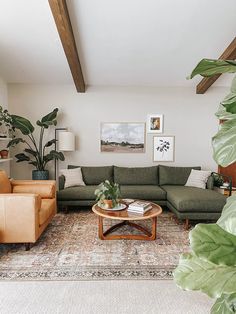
{"x":174,"y":175}
{"x":136,"y":176}
{"x":5,"y":185}
{"x":95,"y":175}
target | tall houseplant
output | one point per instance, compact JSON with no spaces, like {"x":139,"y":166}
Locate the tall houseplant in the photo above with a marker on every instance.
{"x":211,"y":265}
{"x":36,"y":152}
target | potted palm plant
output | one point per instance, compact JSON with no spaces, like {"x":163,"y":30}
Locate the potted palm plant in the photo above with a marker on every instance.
{"x":108,"y":194}
{"x":36,"y":153}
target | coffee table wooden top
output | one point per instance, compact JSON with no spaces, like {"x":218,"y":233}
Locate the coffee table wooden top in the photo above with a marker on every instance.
{"x":124,"y":214}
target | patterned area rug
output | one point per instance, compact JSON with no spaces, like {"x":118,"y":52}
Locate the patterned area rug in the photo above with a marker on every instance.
{"x":70,"y":249}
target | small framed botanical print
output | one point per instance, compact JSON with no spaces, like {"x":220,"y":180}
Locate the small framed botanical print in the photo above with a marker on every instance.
{"x":163,"y":148}
{"x":155,"y":123}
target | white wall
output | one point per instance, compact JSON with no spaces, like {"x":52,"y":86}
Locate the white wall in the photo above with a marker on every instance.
{"x":4,"y":103}
{"x":187,"y":116}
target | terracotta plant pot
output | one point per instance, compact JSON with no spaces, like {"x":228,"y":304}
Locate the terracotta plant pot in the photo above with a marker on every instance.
{"x":4,"y":153}
{"x":108,"y":203}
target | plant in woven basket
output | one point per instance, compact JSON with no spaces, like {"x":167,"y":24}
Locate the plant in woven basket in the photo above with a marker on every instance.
{"x":211,"y":265}
{"x":108,"y":194}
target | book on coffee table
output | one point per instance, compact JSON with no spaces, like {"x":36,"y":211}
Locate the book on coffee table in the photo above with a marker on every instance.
{"x":139,"y":211}
{"x":139,"y":207}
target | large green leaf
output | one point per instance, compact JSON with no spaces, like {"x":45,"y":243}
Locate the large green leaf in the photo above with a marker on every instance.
{"x":224,"y":144}
{"x":194,"y":273}
{"x":226,"y":304}
{"x":211,"y":242}
{"x":31,"y":152}
{"x":222,"y":114}
{"x":50,"y":143}
{"x":15,"y":141}
{"x":23,"y":124}
{"x":53,"y":155}
{"x":22,"y":157}
{"x":50,"y":117}
{"x":229,"y":101}
{"x":57,"y":155}
{"x":209,"y":67}
{"x":46,"y":124}
{"x":227,"y":221}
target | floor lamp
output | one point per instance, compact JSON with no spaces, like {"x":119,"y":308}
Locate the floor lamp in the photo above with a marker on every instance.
{"x":65,"y":142}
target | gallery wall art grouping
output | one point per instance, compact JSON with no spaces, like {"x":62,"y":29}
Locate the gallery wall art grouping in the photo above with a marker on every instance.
{"x":129,"y":137}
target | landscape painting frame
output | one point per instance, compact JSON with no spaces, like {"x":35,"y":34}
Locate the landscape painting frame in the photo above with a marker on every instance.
{"x":122,"y":137}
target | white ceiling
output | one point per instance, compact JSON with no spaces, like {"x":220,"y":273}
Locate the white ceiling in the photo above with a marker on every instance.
{"x":125,"y":42}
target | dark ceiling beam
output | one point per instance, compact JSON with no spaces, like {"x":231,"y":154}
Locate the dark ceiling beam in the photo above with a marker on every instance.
{"x":206,"y":82}
{"x":61,"y":16}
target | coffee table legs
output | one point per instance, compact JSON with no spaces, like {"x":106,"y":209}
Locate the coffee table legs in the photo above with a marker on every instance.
{"x":149,"y":236}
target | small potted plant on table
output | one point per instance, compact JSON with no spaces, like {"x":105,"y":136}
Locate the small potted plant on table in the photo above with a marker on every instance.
{"x":108,"y":194}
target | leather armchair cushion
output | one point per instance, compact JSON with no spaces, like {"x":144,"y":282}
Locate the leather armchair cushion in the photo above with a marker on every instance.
{"x":44,"y":190}
{"x":5,"y":185}
{"x":46,"y":210}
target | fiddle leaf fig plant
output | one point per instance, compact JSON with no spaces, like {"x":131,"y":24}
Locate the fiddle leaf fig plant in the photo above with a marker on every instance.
{"x":36,"y":152}
{"x":211,"y":265}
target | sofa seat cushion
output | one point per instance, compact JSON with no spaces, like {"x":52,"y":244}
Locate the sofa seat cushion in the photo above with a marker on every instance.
{"x":46,"y":210}
{"x":191,"y":199}
{"x":144,"y":192}
{"x":77,"y":193}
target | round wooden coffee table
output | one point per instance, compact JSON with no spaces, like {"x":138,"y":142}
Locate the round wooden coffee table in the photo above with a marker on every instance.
{"x":127,"y":219}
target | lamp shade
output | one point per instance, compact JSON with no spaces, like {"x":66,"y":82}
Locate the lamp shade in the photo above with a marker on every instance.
{"x":66,"y":141}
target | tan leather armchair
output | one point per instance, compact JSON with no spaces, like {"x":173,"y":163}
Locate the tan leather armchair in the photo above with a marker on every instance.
{"x":26,"y":208}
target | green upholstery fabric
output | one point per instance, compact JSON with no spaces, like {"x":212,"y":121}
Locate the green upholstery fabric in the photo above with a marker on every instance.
{"x":194,"y":215}
{"x":95,"y":175}
{"x":145,"y":192}
{"x":136,"y":176}
{"x":77,"y":193}
{"x":174,"y":175}
{"x":190,"y":199}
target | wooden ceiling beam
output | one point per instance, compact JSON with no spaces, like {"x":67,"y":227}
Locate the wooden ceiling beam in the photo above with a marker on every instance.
{"x":206,"y":82}
{"x":61,"y":16}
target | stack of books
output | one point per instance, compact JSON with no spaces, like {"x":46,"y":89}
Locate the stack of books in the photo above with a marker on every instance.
{"x":139,"y":207}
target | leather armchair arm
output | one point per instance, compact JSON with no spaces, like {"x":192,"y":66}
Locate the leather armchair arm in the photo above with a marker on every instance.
{"x":46,"y":189}
{"x":19,"y":217}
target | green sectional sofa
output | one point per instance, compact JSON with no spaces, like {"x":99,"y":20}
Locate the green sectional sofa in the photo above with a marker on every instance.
{"x":160,"y":184}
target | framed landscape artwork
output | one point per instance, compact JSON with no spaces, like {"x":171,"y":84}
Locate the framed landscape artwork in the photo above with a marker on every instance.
{"x":124,"y":137}
{"x":163,"y":148}
{"x":155,"y":123}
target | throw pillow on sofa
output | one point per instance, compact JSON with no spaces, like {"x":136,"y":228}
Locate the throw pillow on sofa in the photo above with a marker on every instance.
{"x":73,"y":177}
{"x":198,"y":178}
